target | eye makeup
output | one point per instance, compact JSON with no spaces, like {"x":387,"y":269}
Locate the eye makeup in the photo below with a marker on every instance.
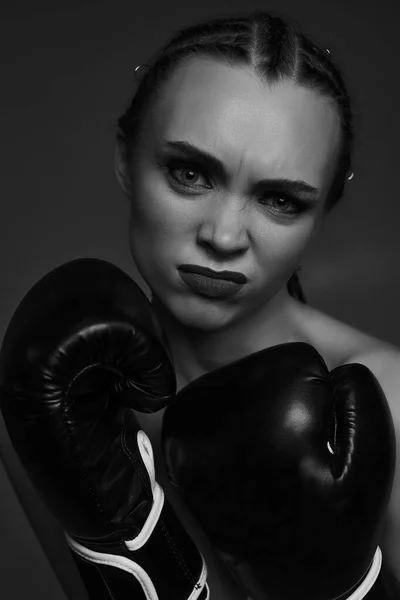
{"x":299,"y":195}
{"x":218,"y":168}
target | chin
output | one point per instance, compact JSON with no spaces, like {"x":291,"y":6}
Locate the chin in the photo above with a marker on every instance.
{"x":205,"y":314}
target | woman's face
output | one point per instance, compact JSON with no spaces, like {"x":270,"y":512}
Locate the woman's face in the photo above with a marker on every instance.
{"x":184,"y":209}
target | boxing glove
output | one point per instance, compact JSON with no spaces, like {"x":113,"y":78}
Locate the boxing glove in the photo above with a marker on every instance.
{"x":82,"y":353}
{"x":288,"y":468}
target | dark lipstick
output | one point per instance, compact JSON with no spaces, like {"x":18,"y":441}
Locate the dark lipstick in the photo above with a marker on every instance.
{"x":210,"y":283}
{"x":234,"y":276}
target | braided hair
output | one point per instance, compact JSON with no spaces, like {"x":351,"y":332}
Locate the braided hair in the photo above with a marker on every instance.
{"x":275,"y":51}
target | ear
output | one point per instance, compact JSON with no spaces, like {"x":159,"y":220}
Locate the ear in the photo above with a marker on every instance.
{"x":122,"y":167}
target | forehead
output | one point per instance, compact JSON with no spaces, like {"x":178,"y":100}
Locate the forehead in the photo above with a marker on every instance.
{"x":291,"y":130}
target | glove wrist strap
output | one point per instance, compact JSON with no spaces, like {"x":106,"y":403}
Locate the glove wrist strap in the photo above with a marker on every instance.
{"x":369,"y":579}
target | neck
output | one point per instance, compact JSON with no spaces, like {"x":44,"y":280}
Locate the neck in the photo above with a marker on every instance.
{"x":198,"y":351}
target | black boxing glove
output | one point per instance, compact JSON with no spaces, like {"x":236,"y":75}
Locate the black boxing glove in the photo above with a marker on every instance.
{"x":82,"y":352}
{"x":288,"y":468}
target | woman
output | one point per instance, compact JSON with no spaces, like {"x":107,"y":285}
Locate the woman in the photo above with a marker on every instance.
{"x":235,"y":148}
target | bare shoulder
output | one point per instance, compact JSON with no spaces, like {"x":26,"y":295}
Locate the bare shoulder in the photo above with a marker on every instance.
{"x":340,"y":343}
{"x":384,"y":362}
{"x":383,"y":359}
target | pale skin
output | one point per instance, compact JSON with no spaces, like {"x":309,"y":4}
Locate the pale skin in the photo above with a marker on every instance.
{"x":259,"y":132}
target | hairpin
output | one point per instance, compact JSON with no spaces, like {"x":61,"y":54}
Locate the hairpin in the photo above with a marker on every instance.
{"x":136,"y":71}
{"x":350,"y":177}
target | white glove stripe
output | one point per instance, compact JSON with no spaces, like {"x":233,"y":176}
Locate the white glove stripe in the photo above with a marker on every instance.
{"x":119,"y":562}
{"x":370,"y":579}
{"x":126,"y":564}
{"x":192,"y":597}
{"x":197,"y":590}
{"x":146,"y":453}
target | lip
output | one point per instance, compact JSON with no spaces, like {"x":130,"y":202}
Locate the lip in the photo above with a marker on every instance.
{"x":232,"y":276}
{"x":210,"y":286}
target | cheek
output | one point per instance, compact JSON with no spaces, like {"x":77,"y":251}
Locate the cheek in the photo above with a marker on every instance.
{"x":282,"y":246}
{"x":151,"y":212}
{"x":150,"y":216}
{"x":158,"y":224}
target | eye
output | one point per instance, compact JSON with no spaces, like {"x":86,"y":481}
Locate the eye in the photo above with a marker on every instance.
{"x":185,"y":174}
{"x":282,"y":203}
{"x":190,"y":173}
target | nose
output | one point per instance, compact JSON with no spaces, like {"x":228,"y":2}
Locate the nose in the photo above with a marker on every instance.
{"x":224,"y":227}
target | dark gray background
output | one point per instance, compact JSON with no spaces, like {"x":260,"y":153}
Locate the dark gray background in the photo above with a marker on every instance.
{"x":67,"y":74}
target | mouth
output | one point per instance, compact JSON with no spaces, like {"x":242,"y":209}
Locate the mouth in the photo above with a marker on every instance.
{"x":233,"y":276}
{"x":213,"y":284}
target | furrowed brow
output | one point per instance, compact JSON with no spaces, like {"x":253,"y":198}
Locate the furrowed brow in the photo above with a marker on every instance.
{"x":279,"y":184}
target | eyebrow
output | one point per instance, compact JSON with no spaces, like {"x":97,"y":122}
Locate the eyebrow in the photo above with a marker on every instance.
{"x":279,"y":184}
